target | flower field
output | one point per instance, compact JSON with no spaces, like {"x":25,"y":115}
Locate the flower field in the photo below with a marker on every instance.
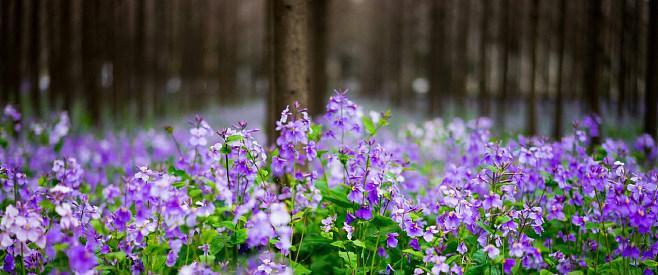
{"x":337,"y":194}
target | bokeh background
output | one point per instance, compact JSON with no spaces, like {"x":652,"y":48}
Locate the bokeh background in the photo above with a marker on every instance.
{"x":533,"y":66}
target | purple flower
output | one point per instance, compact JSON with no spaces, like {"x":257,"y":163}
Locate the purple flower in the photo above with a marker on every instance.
{"x":381,"y":252}
{"x":80,"y":259}
{"x":413,"y":243}
{"x":349,"y":229}
{"x":414,"y":229}
{"x":9,"y":264}
{"x":364,"y":213}
{"x":121,"y":218}
{"x":391,"y":240}
{"x":508,"y":265}
{"x":461,"y":248}
{"x":491,"y":251}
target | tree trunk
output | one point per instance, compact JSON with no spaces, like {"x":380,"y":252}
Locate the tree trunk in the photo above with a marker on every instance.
{"x":483,"y":99}
{"x":289,"y":74}
{"x":532,"y":101}
{"x":90,"y":66}
{"x":438,"y":62}
{"x":318,"y":61}
{"x":462,"y":57}
{"x":504,"y":63}
{"x":591,"y":73}
{"x":35,"y":56}
{"x":622,"y":72}
{"x":557,"y":127}
{"x":651,"y":78}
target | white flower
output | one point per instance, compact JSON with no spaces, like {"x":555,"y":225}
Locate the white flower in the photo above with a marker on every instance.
{"x":279,"y":214}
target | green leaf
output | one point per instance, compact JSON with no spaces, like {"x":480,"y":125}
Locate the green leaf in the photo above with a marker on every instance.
{"x":359,"y":243}
{"x":339,"y":244}
{"x":233,"y":138}
{"x":299,"y":269}
{"x":650,"y":263}
{"x":349,"y":258}
{"x":485,"y":227}
{"x":413,"y":253}
{"x":369,"y":125}
{"x":577,"y":272}
{"x":545,"y":272}
{"x":119,"y":255}
{"x":479,"y":257}
{"x":207,"y":259}
{"x":327,"y":235}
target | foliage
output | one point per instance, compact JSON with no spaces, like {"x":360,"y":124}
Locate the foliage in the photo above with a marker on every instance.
{"x":340,"y":195}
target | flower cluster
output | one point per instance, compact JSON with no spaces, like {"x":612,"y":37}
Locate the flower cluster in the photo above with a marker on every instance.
{"x":339,"y":195}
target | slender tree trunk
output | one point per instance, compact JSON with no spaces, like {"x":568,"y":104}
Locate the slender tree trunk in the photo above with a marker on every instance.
{"x":636,"y":60}
{"x":437,"y":60}
{"x":396,"y":11}
{"x":290,"y":75}
{"x":35,"y":56}
{"x":532,"y":97}
{"x":4,"y":48}
{"x":483,"y":100}
{"x":651,"y":78}
{"x":15,"y":52}
{"x":90,"y":66}
{"x":557,"y":128}
{"x":462,"y":52}
{"x":622,"y":72}
{"x":504,"y":63}
{"x":318,"y":62}
{"x":591,"y":74}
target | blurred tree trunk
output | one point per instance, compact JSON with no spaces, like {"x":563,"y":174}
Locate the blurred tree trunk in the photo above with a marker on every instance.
{"x":636,"y":60}
{"x":592,"y":57}
{"x":505,"y":36}
{"x":90,"y":64}
{"x":462,"y":57}
{"x":437,"y":57}
{"x":4,"y":55}
{"x":395,"y":11}
{"x":534,"y":37}
{"x":227,"y":52}
{"x":651,"y":77}
{"x":35,"y":56}
{"x":14,"y":47}
{"x":483,"y":99}
{"x":318,"y":61}
{"x":138,"y":61}
{"x":161,"y":73}
{"x":622,"y":72}
{"x":557,"y":127}
{"x":290,"y":74}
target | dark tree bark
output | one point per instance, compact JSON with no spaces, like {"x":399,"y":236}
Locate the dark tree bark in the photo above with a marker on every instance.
{"x":4,"y":49}
{"x":532,"y":97}
{"x":636,"y":60}
{"x":622,"y":73}
{"x":35,"y":56}
{"x":557,"y":127}
{"x":318,"y":61}
{"x":15,"y":52}
{"x":227,"y":52}
{"x":505,"y":36}
{"x":90,"y":64}
{"x":651,"y":77}
{"x":290,"y":74}
{"x":483,"y":99}
{"x":592,"y":57}
{"x":437,"y":57}
{"x":462,"y":57}
{"x":396,"y":13}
